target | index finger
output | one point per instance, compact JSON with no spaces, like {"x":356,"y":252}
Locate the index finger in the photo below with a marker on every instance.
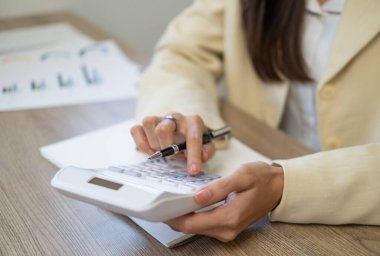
{"x":195,"y":130}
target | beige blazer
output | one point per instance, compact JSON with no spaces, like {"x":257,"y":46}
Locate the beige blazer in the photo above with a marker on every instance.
{"x":206,"y":42}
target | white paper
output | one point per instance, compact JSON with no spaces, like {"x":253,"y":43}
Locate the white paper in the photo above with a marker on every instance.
{"x":114,"y":146}
{"x":64,"y":74}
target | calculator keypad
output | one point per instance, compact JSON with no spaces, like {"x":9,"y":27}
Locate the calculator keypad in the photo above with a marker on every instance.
{"x":166,"y":173}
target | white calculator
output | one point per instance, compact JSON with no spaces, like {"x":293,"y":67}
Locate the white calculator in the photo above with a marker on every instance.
{"x":155,"y":190}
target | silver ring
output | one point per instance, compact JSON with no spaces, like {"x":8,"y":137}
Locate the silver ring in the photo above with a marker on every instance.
{"x":171,"y":118}
{"x":175,"y":148}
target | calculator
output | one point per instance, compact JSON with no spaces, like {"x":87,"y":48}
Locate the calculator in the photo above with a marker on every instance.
{"x":155,"y":190}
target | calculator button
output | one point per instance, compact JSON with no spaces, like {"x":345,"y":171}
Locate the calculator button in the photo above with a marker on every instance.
{"x":132,"y":173}
{"x":176,"y":179}
{"x":196,"y":183}
{"x":172,"y":183}
{"x":180,"y":174}
{"x":154,"y":178}
{"x":115,"y":169}
{"x":189,"y":178}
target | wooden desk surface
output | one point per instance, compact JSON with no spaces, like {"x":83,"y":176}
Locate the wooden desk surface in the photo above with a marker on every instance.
{"x":36,"y":220}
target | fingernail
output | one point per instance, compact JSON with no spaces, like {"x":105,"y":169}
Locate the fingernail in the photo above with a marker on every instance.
{"x":203,"y":196}
{"x":193,"y":169}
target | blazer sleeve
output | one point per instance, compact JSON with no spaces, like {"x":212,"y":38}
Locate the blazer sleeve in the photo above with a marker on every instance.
{"x":186,"y":66}
{"x":332,"y":187}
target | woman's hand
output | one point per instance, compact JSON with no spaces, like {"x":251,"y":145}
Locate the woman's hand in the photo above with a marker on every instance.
{"x":250,"y":193}
{"x":157,"y":133}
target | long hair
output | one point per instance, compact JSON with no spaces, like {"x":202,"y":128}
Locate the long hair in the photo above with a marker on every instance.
{"x":273,"y":30}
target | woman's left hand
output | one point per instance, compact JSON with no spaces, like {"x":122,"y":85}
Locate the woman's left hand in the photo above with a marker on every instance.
{"x":250,"y":193}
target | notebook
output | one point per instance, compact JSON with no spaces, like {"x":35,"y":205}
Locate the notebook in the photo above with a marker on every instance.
{"x":114,"y":145}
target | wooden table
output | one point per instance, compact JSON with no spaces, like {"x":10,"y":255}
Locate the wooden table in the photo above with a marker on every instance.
{"x":36,"y":220}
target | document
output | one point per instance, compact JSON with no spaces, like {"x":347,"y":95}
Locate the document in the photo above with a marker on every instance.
{"x":57,"y":71}
{"x":114,"y":146}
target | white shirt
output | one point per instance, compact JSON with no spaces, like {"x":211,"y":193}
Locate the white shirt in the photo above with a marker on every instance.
{"x":300,"y":117}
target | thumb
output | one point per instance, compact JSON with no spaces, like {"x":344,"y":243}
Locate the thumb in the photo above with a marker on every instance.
{"x":218,"y":190}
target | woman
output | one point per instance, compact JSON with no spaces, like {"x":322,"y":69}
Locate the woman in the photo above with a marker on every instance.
{"x":307,"y":67}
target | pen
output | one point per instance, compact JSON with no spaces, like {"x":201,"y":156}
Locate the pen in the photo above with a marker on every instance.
{"x":175,"y":148}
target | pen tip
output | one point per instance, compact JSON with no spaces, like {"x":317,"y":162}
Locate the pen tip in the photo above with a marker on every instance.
{"x":156,"y":155}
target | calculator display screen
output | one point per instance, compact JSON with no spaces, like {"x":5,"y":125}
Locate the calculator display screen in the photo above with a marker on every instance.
{"x":105,"y":183}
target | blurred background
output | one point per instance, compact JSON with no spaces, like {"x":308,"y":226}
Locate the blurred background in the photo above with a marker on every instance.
{"x":137,"y":23}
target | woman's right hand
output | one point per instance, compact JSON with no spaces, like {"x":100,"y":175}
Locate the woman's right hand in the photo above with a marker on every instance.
{"x":156,"y":133}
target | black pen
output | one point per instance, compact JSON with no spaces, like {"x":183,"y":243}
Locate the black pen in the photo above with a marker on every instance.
{"x":174,"y":149}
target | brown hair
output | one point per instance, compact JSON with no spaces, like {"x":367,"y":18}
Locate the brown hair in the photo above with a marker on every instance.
{"x":273,"y":31}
